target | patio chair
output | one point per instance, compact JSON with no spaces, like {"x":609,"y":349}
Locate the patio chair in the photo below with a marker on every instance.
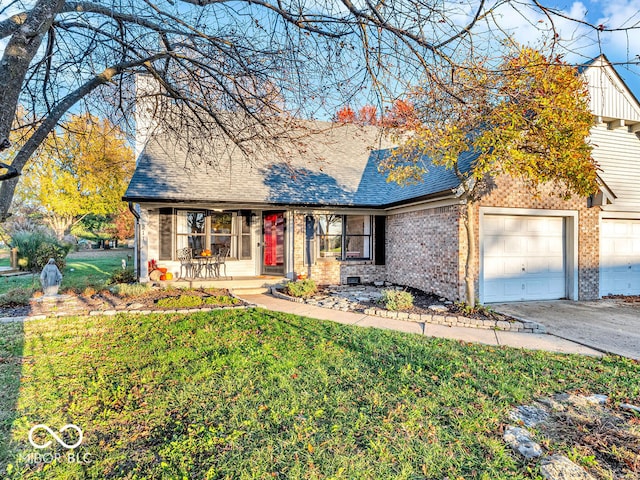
{"x":185,"y":256}
{"x":221,"y":258}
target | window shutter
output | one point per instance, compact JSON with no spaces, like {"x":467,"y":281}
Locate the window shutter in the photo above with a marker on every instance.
{"x":165,"y":234}
{"x":309,"y":240}
{"x":380,"y":239}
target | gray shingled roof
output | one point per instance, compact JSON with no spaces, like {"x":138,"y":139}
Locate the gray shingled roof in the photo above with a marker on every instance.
{"x":336,"y":167}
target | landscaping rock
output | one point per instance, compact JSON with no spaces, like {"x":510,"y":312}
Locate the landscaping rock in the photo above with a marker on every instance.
{"x":553,"y":404}
{"x":597,"y":399}
{"x":427,"y":308}
{"x":520,"y":440}
{"x":438,"y":308}
{"x":581,"y":401}
{"x":629,"y":407}
{"x":557,"y":467}
{"x":530,"y":415}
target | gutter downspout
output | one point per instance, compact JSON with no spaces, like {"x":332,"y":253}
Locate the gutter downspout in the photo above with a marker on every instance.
{"x":137,"y":238}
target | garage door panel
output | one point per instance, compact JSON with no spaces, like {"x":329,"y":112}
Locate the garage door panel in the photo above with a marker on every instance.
{"x":513,"y":246}
{"x":492,"y":225}
{"x":537,"y":287}
{"x":544,"y":287}
{"x":523,"y":258}
{"x":513,"y":226}
{"x":503,"y":290}
{"x":620,"y":257}
{"x":535,"y":246}
{"x":543,"y":226}
{"x":556,"y":248}
{"x":512,"y":267}
{"x":544,"y":266}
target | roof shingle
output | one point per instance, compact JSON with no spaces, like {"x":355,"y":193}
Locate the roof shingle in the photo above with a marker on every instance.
{"x":336,"y":167}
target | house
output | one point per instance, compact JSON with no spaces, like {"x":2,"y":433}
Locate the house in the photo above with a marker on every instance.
{"x":324,"y":211}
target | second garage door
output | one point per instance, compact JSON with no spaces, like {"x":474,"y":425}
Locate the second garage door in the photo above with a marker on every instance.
{"x":620,"y":257}
{"x":523,"y":258}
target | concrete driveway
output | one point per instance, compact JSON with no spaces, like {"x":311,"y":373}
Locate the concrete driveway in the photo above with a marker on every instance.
{"x":609,"y":325}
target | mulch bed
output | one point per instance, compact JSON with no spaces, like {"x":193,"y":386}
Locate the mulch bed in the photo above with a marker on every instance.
{"x":105,"y":300}
{"x":423,"y":300}
{"x":625,"y":299}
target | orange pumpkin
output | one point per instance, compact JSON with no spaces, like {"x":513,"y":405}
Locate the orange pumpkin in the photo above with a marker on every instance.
{"x":163,"y":277}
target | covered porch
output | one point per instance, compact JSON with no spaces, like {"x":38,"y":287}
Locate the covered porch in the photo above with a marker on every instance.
{"x":238,"y":284}
{"x":261,"y":245}
{"x":203,"y":245}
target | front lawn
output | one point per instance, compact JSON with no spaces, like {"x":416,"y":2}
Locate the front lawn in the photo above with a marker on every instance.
{"x":257,"y":394}
{"x":84,"y":268}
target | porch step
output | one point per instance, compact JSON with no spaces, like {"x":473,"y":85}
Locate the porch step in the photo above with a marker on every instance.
{"x":240,"y":285}
{"x":251,"y":291}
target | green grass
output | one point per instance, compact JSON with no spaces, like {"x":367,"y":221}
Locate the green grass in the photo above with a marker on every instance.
{"x":190,"y":301}
{"x":84,"y":269}
{"x":255,"y":394}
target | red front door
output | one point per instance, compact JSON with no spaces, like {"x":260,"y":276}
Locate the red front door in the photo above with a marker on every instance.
{"x":273,"y":243}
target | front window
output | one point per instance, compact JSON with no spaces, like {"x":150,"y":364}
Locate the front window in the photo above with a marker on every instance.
{"x":357,"y":236}
{"x":216,"y":231}
{"x":344,"y":236}
{"x":221,"y":231}
{"x":191,"y":231}
{"x":330,"y":235}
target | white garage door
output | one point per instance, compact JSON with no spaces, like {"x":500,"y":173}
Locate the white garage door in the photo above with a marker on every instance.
{"x":620,"y":257}
{"x":523,"y":258}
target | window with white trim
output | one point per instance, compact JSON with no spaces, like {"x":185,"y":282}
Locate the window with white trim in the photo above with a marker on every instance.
{"x":205,"y":229}
{"x":345,"y":237}
{"x":191,"y":231}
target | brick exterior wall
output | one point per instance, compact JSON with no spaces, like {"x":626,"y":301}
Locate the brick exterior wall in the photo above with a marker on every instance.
{"x":426,"y":248}
{"x":328,"y":271}
{"x":367,"y":271}
{"x":511,"y":193}
{"x":423,"y":250}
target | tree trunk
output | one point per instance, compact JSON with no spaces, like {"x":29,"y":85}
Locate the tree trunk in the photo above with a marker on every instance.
{"x":18,"y":54}
{"x":60,"y":224}
{"x":8,"y":187}
{"x":469,"y":277}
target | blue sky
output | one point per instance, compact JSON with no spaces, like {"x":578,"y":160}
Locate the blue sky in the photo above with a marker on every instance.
{"x":582,"y":42}
{"x":527,"y":25}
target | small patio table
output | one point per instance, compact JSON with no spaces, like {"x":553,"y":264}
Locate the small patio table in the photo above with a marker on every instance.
{"x":205,"y":264}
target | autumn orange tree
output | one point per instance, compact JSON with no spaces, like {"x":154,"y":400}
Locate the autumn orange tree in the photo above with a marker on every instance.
{"x":531,"y":121}
{"x":83,"y":168}
{"x":400,"y":115}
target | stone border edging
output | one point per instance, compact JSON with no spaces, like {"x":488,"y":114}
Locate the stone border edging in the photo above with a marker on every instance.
{"x":439,"y":319}
{"x":113,"y":311}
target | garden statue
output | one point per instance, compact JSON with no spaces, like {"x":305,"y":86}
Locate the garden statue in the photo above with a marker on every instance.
{"x":50,"y":278}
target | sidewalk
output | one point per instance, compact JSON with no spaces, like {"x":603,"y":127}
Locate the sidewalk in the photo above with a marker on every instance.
{"x":475,"y":335}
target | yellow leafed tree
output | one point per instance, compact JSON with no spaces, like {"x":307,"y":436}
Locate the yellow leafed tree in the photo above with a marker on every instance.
{"x":83,"y":168}
{"x":528,"y":118}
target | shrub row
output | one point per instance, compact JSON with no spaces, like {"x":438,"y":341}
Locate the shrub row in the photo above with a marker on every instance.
{"x":36,"y":248}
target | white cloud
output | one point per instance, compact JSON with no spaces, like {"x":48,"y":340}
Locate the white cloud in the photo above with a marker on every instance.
{"x":621,"y":14}
{"x":530,"y":26}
